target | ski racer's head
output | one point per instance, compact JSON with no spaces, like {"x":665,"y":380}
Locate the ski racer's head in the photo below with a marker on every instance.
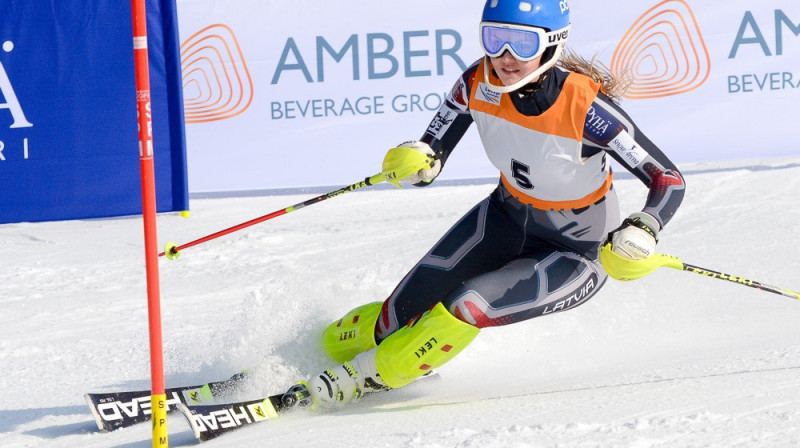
{"x":523,"y":38}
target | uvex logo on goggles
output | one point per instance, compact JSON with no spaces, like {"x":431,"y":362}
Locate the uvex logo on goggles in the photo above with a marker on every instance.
{"x":524,"y":42}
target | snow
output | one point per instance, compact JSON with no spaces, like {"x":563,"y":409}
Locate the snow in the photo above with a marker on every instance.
{"x":673,"y":359}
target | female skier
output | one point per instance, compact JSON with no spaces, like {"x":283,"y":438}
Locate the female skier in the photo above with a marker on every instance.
{"x":531,"y":247}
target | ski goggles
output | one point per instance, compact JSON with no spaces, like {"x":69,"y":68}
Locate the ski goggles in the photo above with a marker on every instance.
{"x":524,"y":42}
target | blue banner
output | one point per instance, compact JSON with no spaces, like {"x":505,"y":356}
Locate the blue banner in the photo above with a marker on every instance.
{"x":68,"y":127}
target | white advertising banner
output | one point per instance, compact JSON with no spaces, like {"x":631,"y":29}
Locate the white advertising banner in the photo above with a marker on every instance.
{"x":309,"y":93}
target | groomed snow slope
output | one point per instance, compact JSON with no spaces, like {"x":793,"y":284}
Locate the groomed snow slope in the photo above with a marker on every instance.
{"x":672,"y":360}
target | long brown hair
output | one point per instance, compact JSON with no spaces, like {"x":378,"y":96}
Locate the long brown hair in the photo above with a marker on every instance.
{"x":611,"y":85}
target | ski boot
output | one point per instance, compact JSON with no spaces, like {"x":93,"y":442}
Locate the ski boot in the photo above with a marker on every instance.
{"x":347,"y":382}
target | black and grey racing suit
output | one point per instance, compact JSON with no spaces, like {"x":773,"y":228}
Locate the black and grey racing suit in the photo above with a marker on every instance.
{"x":507,"y":260}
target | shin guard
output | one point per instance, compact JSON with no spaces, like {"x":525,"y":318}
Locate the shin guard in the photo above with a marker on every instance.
{"x":422,"y":345}
{"x":352,"y":334}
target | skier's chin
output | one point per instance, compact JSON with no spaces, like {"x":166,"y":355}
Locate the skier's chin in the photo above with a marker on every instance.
{"x":509,"y":78}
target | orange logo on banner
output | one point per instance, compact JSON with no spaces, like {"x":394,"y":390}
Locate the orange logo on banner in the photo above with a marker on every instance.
{"x":216,"y":83}
{"x":663,"y":53}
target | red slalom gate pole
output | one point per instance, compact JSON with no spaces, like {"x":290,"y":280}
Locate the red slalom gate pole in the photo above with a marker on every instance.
{"x":158,"y":397}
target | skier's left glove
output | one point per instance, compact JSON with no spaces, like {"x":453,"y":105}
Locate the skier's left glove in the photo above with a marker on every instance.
{"x":424,"y":175}
{"x":636,"y":238}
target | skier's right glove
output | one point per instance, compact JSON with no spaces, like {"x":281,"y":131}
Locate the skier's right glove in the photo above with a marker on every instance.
{"x":630,"y":250}
{"x":425,"y":175}
{"x":636,"y":238}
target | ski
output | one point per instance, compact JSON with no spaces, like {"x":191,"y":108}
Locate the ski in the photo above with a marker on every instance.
{"x":213,"y":420}
{"x":114,"y":410}
{"x":209,"y":421}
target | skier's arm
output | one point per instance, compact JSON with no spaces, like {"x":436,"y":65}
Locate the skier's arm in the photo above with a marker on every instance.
{"x":450,"y":122}
{"x":608,"y":128}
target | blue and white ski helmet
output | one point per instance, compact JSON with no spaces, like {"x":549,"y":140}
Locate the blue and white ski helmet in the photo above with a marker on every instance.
{"x":551,"y":15}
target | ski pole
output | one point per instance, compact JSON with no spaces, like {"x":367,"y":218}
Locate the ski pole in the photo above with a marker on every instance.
{"x":740,"y":281}
{"x":398,"y":164}
{"x":621,"y":268}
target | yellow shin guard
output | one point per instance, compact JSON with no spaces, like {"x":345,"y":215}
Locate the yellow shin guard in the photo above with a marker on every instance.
{"x":415,"y":349}
{"x":352,"y":334}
